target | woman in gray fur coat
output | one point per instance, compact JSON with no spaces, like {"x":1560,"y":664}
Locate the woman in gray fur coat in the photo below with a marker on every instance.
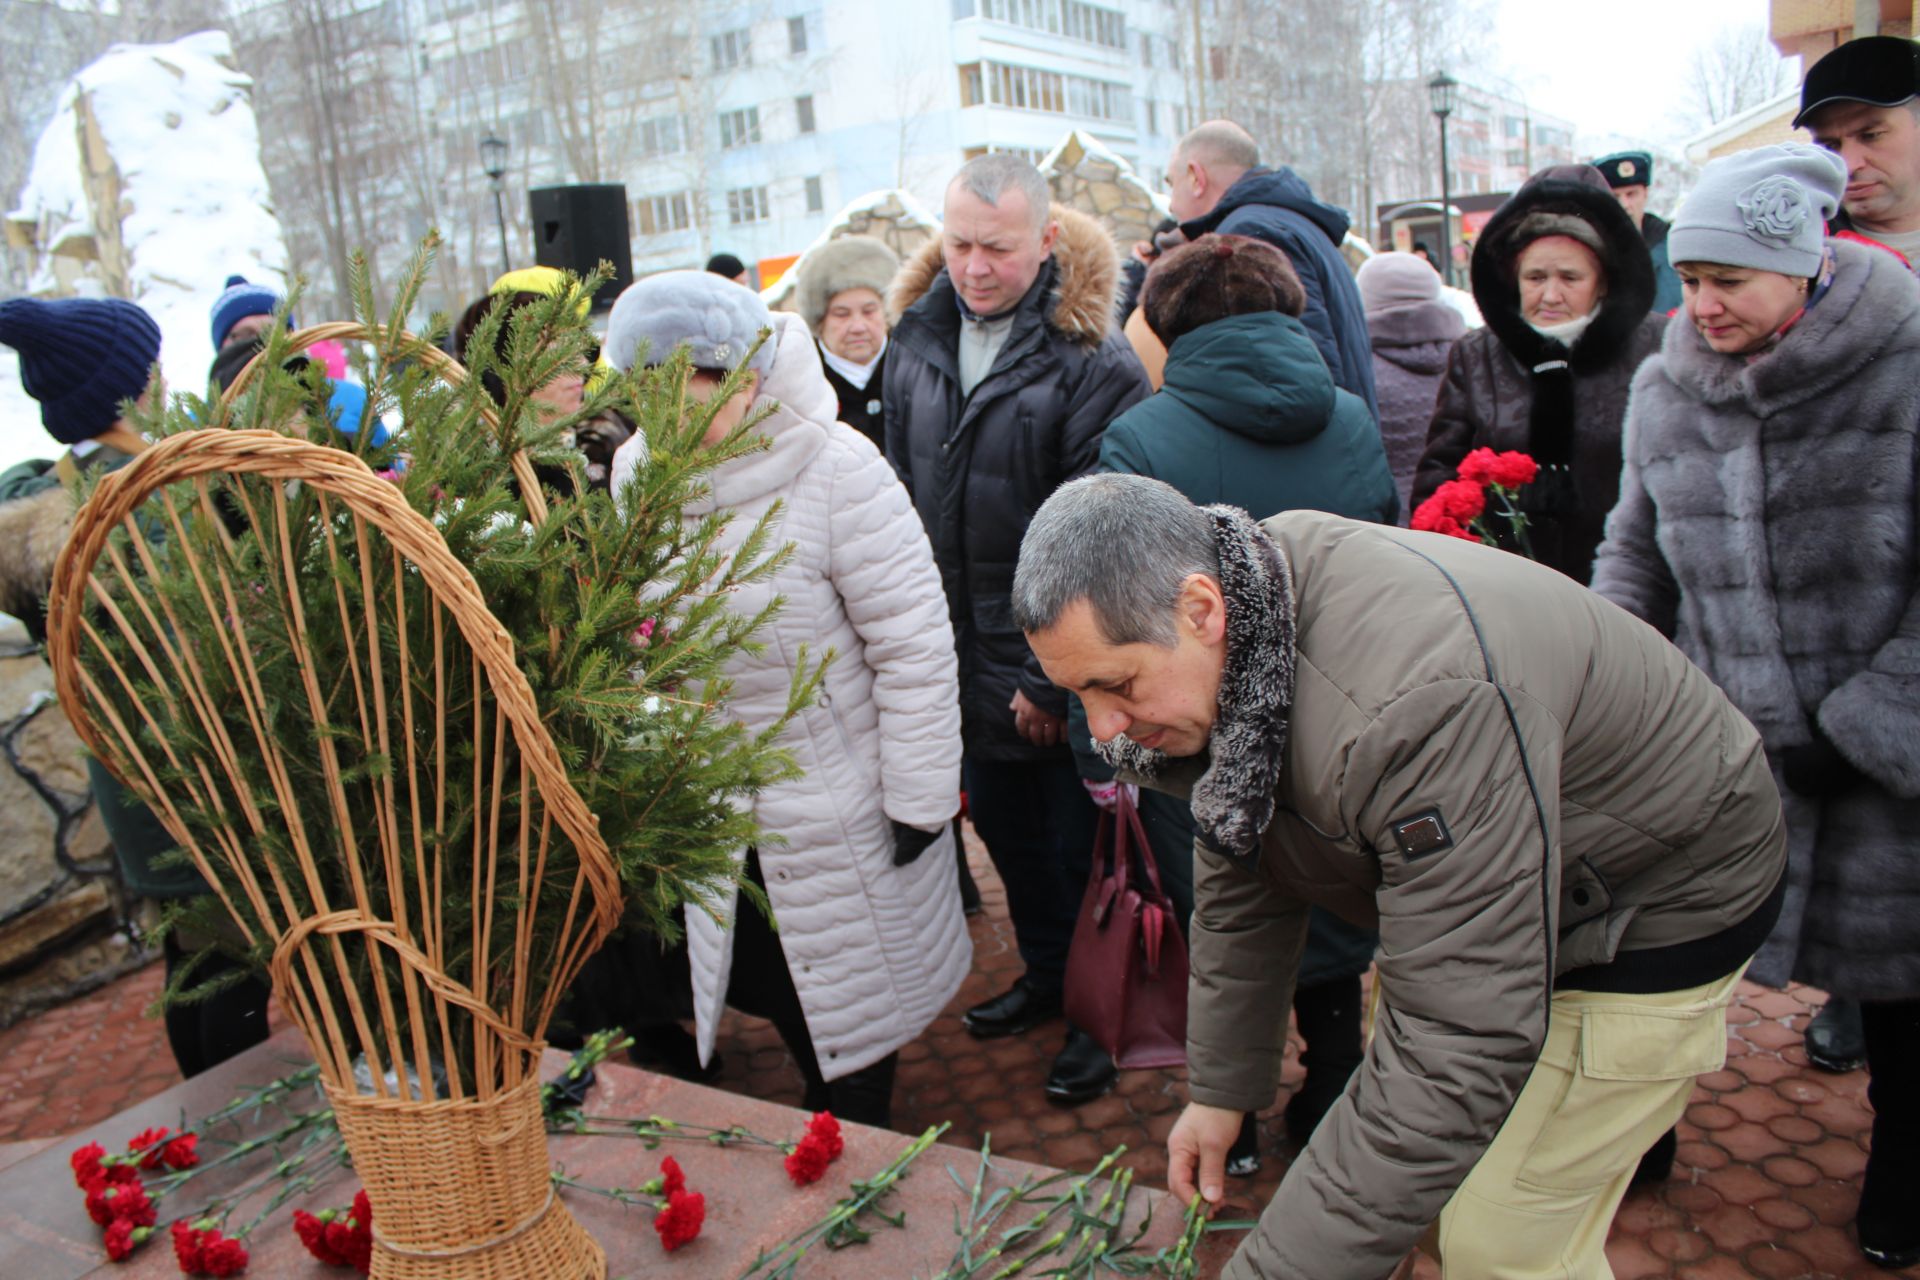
{"x":1769,"y":521}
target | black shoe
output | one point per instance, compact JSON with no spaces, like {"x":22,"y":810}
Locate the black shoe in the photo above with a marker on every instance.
{"x":1657,"y":1164}
{"x":1889,"y":1232}
{"x":1022,"y":1007}
{"x":1834,"y":1040}
{"x":1082,"y":1072}
{"x":1243,"y":1157}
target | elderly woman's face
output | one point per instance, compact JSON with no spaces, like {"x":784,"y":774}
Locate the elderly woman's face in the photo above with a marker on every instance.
{"x":701,"y":386}
{"x":1736,"y":309}
{"x":855,"y":325}
{"x":1560,"y":280}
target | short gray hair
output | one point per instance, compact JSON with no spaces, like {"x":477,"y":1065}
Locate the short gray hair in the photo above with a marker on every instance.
{"x":1125,"y":544}
{"x":990,"y":176}
{"x":1219,"y":143}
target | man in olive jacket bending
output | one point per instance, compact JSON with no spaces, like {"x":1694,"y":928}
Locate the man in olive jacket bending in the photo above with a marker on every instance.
{"x":1567,"y":837}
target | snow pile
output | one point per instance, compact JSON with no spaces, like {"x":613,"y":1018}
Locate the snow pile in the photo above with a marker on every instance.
{"x":147,"y":184}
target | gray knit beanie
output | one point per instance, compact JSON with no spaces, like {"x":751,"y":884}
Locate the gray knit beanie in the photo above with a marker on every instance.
{"x":1765,"y":209}
{"x":1389,"y":280}
{"x":851,"y":262}
{"x":716,"y":319}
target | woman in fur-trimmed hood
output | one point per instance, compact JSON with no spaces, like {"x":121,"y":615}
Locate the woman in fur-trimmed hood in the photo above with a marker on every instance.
{"x":1769,"y":521}
{"x":1565,"y":283}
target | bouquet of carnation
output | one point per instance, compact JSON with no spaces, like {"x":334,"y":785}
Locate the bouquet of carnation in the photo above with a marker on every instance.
{"x":423,"y":718}
{"x":1460,"y":507}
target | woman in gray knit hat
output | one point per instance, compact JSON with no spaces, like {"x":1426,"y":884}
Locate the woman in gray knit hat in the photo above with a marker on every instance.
{"x":842,"y":297}
{"x":1769,"y":521}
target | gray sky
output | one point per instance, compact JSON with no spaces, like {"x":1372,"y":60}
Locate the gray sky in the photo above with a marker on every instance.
{"x":1612,"y":68}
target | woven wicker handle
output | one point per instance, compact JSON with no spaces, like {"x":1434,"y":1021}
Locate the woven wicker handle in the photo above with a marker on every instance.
{"x":444,"y":366}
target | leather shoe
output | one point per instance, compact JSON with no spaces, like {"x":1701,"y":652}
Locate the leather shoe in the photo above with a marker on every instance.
{"x":1834,"y":1040}
{"x":1082,"y":1072}
{"x":1022,"y":1007}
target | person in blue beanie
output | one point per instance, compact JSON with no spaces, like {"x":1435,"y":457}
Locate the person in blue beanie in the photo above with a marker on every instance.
{"x":84,"y":360}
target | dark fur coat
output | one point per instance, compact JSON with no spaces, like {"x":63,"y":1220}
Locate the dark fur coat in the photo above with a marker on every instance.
{"x":1767,"y":522}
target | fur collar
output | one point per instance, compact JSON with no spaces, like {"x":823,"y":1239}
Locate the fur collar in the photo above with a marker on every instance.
{"x":1870,"y":309}
{"x":1233,"y":801}
{"x":1086,"y":290}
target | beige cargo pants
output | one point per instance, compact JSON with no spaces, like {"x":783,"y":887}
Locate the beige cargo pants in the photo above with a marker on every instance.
{"x":1615,"y":1073}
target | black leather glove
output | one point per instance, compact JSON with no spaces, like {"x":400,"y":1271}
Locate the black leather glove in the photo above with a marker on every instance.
{"x":1818,"y":770}
{"x":910,"y":842}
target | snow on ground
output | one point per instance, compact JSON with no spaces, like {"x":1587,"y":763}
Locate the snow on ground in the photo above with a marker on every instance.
{"x":20,"y":434}
{"x":177,"y":122}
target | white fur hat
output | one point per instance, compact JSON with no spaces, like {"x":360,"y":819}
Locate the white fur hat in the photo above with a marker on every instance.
{"x":851,"y":262}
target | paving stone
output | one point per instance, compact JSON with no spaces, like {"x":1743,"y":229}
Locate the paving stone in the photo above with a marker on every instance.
{"x":1790,"y":1171}
{"x":1778,"y":1211}
{"x":1677,"y":1245}
{"x":1795,"y":1128}
{"x":1839,"y":1158}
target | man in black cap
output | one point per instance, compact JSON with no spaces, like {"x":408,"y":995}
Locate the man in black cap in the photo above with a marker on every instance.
{"x":725,"y":264}
{"x":1859,"y":102}
{"x":1630,"y":173}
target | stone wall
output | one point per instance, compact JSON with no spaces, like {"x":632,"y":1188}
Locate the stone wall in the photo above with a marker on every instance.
{"x":62,"y":910}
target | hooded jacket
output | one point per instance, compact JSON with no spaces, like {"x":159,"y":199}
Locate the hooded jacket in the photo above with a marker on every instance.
{"x":1667,"y":296}
{"x":1515,"y":782}
{"x":1249,"y":416}
{"x":1769,"y":521}
{"x":979,"y":466}
{"x":1410,"y":348}
{"x":1509,"y":387}
{"x":1276,"y":205}
{"x":875,"y":950}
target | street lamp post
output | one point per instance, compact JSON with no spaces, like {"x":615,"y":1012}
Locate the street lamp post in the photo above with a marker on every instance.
{"x":493,"y":160}
{"x":1442,"y":91}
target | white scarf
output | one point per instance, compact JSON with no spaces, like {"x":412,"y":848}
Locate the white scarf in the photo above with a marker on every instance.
{"x":858,"y":374}
{"x":1567,"y":332}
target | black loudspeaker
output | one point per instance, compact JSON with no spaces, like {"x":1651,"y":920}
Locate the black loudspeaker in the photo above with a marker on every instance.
{"x":576,"y":228}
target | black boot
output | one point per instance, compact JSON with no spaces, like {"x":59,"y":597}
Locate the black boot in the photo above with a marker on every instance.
{"x":1082,"y":1072}
{"x":1889,"y":1229}
{"x":1657,"y":1164}
{"x":1021,"y":1007}
{"x":1834,"y":1040}
{"x":1329,"y":1018}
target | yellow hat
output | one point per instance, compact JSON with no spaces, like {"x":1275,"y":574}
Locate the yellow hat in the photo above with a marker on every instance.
{"x":548,"y":282}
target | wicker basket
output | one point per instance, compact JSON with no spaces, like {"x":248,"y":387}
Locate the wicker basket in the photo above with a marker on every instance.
{"x":434,"y":1080}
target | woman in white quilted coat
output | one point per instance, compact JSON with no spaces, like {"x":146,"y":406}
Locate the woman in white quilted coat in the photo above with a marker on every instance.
{"x":871,"y":943}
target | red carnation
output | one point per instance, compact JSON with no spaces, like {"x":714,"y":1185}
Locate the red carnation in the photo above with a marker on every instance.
{"x":1464,"y":500}
{"x":150,"y":1146}
{"x":680,"y":1221}
{"x":108,"y":1202}
{"x":222,"y":1256}
{"x":124,"y":1237}
{"x":313,"y":1234}
{"x":671,"y":1178}
{"x":1478,"y":466}
{"x":186,"y":1246}
{"x":808,"y":1160}
{"x":1512,"y":469}
{"x":181,"y":1152}
{"x":824,"y":1127}
{"x":1429,"y":518}
{"x":87,"y":1172}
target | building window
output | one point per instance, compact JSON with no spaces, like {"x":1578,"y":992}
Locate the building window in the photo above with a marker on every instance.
{"x":1150,"y":115}
{"x":803,"y":112}
{"x":962,"y":9}
{"x":972,"y":94}
{"x":738,"y":128}
{"x":1074,"y":19}
{"x":658,"y":215}
{"x":796,"y":35}
{"x":747,"y":204}
{"x":816,"y":202}
{"x":1146,"y":49}
{"x":1032,"y":89}
{"x":731,"y":49}
{"x":663,"y":136}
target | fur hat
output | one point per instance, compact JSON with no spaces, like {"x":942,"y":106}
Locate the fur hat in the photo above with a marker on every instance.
{"x":1765,"y":209}
{"x":851,"y":262}
{"x":1390,"y":280}
{"x":80,"y":358}
{"x":240,"y":300}
{"x":716,"y":319}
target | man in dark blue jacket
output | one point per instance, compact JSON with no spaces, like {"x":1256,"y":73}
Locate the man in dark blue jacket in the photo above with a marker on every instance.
{"x":1215,"y":182}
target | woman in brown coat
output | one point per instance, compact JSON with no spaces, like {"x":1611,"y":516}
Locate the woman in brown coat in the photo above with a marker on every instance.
{"x":1565,"y":284}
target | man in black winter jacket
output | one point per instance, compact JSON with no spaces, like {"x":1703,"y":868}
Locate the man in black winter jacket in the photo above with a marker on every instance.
{"x":1215,"y":182}
{"x":1003,"y":369}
